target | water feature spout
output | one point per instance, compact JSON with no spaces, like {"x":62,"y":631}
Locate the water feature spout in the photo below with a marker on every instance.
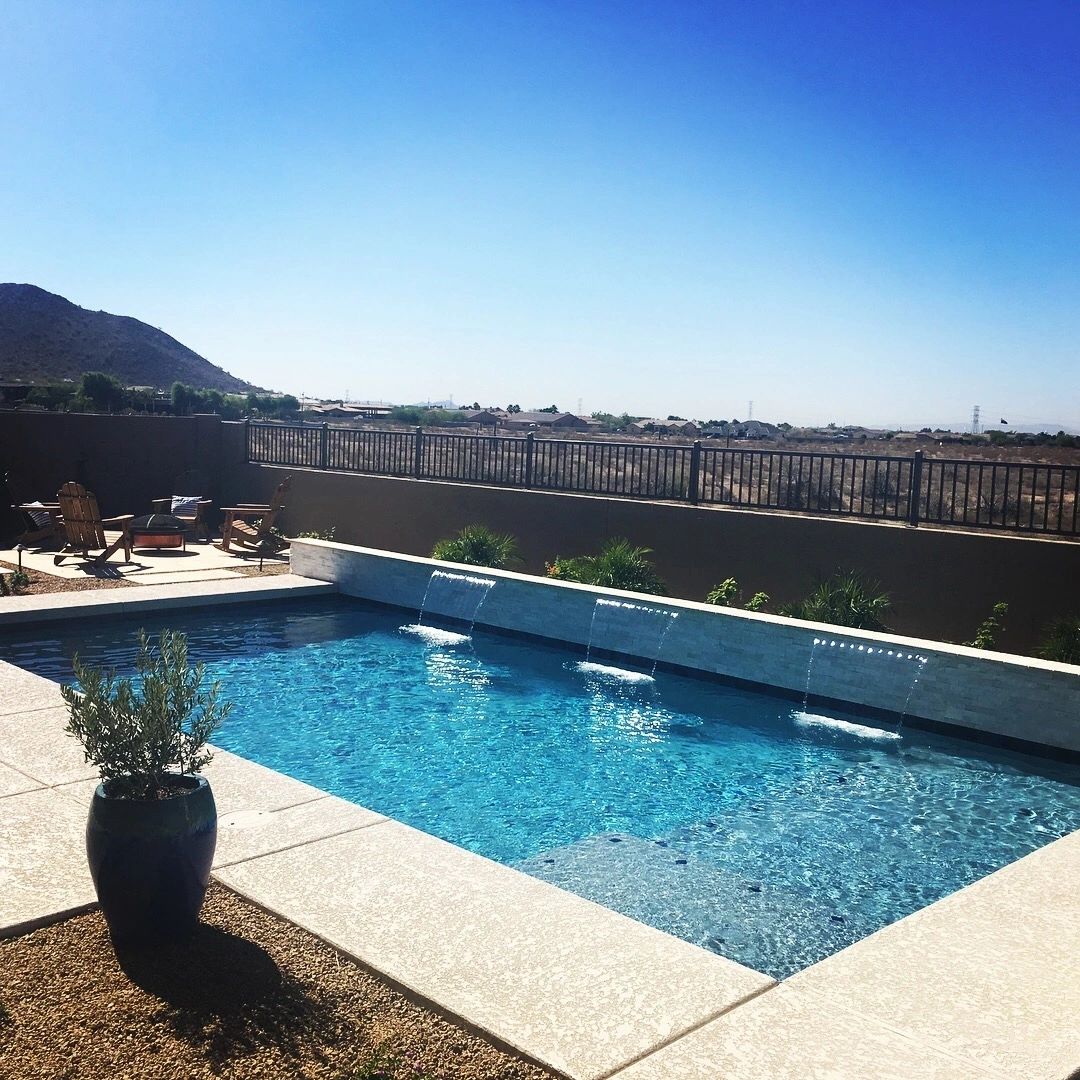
{"x":859,"y":651}
{"x":452,"y":596}
{"x":618,"y":623}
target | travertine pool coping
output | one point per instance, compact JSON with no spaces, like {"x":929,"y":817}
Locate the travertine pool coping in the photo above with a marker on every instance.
{"x":985,"y":983}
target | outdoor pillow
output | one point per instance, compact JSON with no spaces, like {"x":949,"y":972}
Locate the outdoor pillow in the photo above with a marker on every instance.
{"x":185,"y":504}
{"x":41,"y":517}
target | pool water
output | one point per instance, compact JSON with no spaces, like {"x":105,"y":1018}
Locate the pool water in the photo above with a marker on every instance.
{"x":718,"y":814}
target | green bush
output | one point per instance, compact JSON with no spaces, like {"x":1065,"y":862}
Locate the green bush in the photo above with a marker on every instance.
{"x":757,"y":602}
{"x":845,"y":599}
{"x":986,"y":636}
{"x":1061,"y":641}
{"x":477,"y":545}
{"x":726,"y":594}
{"x":619,"y":565}
{"x":137,"y":738}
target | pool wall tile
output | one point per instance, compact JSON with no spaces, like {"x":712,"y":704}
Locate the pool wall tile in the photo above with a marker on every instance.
{"x":567,"y":982}
{"x":1034,"y":701}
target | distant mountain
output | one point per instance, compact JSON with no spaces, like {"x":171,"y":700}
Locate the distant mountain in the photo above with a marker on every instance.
{"x":45,"y":338}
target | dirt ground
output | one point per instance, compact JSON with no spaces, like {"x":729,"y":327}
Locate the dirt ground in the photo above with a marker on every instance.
{"x":249,"y":997}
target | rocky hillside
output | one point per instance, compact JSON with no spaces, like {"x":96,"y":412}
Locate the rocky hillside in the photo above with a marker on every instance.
{"x":45,"y":338}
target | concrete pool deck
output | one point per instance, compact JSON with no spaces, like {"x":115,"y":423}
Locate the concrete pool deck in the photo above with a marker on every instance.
{"x":985,"y":983}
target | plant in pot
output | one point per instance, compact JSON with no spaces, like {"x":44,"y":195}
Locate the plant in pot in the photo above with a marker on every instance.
{"x":152,"y":828}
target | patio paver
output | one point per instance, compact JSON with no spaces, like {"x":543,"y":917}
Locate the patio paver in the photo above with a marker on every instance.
{"x":43,"y":871}
{"x":12,"y":782}
{"x":791,"y":1034}
{"x":574,"y":985}
{"x":35,"y":744}
{"x":990,"y":973}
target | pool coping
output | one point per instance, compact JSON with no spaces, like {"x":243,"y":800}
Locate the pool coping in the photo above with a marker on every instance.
{"x":291,"y":829}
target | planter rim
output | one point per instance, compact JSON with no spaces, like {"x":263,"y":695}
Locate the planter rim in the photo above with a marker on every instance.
{"x":189,"y":783}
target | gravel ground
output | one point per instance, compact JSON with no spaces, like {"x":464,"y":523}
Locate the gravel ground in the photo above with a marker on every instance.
{"x":40,"y":583}
{"x":249,"y":997}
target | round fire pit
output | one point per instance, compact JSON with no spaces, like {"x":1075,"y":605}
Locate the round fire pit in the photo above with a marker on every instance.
{"x":158,"y":531}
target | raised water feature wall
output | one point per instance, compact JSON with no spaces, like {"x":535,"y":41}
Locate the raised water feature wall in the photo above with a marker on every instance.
{"x":1015,"y":698}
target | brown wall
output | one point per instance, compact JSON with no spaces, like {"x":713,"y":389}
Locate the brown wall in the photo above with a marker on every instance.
{"x":125,"y":460}
{"x":943,"y":583}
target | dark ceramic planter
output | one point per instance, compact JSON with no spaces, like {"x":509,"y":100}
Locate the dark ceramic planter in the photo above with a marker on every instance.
{"x":150,"y":860}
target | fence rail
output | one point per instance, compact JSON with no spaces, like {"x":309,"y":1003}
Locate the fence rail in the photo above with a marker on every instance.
{"x":1021,"y":497}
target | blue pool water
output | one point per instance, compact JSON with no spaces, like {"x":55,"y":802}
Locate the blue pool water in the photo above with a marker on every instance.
{"x":704,"y":810}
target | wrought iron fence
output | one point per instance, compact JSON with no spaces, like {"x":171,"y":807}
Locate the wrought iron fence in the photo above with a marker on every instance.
{"x":1015,"y":496}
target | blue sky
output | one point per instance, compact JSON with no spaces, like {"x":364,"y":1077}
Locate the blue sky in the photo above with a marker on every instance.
{"x":850,"y":212}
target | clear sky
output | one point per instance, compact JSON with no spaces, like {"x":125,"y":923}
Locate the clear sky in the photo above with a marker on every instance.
{"x":850,"y":212}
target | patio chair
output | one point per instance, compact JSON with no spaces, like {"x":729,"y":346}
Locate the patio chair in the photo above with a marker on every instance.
{"x":84,"y":527}
{"x":192,"y":510}
{"x":249,"y":525}
{"x":42,"y":520}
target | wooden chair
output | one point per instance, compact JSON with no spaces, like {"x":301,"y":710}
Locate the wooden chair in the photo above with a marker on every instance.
{"x":84,"y":527}
{"x":43,"y":522}
{"x":194,"y":517}
{"x":250,"y":524}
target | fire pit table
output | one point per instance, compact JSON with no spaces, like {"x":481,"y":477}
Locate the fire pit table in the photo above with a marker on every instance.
{"x":158,"y":531}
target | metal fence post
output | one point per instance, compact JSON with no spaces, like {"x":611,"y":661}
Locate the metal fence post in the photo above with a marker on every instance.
{"x":247,"y":440}
{"x":914,"y":503}
{"x":695,"y":472}
{"x":418,"y":454}
{"x":530,"y":448}
{"x":324,"y":447}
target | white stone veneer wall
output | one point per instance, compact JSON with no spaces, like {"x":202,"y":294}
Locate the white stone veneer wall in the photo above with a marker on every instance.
{"x":1007,"y":695}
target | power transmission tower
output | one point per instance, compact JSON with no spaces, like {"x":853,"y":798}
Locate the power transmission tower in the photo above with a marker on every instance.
{"x":975,"y":429}
{"x":750,"y":410}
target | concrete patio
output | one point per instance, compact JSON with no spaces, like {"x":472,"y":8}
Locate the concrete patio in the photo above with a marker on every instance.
{"x":198,"y":561}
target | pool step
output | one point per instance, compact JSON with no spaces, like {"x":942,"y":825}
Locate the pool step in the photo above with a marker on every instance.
{"x":757,"y":923}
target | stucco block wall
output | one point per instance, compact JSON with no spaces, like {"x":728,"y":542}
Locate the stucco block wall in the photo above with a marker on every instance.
{"x":943,"y":583}
{"x":125,"y":460}
{"x":1030,"y":700}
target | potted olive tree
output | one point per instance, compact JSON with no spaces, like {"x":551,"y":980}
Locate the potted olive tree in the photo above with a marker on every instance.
{"x":152,"y":828}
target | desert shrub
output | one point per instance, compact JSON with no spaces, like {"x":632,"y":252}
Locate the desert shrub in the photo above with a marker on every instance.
{"x":986,"y":635}
{"x":619,"y":565}
{"x":477,"y":545}
{"x":1061,"y":641}
{"x":845,"y":599}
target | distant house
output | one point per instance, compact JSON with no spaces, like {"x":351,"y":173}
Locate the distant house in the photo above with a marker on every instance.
{"x":487,"y":417}
{"x":655,"y":426}
{"x":527,"y":421}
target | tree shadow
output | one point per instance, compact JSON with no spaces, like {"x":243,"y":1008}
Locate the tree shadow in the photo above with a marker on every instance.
{"x":226,"y":997}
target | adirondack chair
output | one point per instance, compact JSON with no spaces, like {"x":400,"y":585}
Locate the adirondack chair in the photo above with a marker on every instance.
{"x":84,"y":527}
{"x":249,"y":524}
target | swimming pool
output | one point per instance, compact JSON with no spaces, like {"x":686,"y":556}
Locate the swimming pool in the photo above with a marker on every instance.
{"x":705,"y":810}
